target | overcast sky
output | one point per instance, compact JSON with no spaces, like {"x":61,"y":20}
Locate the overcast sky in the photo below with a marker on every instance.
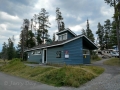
{"x":74,"y":12}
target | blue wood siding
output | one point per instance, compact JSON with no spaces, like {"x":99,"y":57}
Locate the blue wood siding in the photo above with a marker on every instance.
{"x":74,"y":49}
{"x":35,"y":58}
{"x":86,"y":59}
{"x":51,"y":55}
{"x":69,"y":35}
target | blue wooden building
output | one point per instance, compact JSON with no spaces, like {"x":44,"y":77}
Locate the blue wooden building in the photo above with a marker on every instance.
{"x":69,"y":49}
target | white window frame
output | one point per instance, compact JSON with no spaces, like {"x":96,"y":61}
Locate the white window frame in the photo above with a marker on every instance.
{"x":36,"y":52}
{"x":62,"y":35}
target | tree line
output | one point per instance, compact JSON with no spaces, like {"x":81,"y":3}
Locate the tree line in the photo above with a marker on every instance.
{"x":106,"y":34}
{"x":8,"y":50}
{"x":35,"y":32}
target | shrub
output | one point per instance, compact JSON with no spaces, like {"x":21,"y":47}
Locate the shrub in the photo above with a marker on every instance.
{"x":95,"y":57}
{"x":67,"y":76}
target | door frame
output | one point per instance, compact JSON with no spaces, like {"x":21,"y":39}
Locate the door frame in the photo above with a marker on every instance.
{"x":43,"y":59}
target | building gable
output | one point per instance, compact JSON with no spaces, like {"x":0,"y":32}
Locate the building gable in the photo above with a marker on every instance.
{"x":65,"y":34}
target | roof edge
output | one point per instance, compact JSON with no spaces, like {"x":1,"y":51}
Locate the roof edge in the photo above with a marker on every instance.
{"x":67,"y":30}
{"x":65,"y":43}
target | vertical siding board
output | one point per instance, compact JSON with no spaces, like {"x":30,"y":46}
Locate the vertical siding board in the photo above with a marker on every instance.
{"x":74,"y":49}
{"x":52,"y":56}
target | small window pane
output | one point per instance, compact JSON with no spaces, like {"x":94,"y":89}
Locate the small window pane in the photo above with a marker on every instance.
{"x":60,"y":38}
{"x":64,"y":37}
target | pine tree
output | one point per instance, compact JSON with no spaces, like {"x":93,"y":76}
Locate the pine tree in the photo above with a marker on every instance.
{"x":100,"y":33}
{"x":113,"y":36}
{"x":59,"y":19}
{"x":4,"y":53}
{"x":116,"y":5}
{"x":10,"y":49}
{"x":39,"y":35}
{"x":83,"y":32}
{"x":31,"y":42}
{"x":24,"y":37}
{"x":54,"y":38}
{"x":43,"y":22}
{"x":89,"y":33}
{"x":107,"y":28}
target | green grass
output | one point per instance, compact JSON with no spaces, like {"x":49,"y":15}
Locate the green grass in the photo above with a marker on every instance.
{"x":71,"y":75}
{"x":3,"y":62}
{"x":113,"y":62}
{"x":64,"y":76}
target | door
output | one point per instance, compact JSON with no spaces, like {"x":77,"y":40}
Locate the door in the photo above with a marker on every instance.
{"x":44,"y":59}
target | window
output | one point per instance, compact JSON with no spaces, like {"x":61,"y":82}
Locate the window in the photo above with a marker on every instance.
{"x":58,"y":54}
{"x":60,"y":38}
{"x":63,"y":37}
{"x":36,"y":52}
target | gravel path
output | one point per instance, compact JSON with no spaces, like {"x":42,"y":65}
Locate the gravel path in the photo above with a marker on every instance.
{"x":109,"y":80}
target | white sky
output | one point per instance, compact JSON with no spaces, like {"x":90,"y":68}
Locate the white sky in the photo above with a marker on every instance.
{"x":74,"y":12}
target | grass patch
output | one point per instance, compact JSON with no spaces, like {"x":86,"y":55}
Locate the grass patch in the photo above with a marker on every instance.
{"x":113,"y":62}
{"x":56,"y":65}
{"x":95,"y":58}
{"x":3,"y":62}
{"x":71,"y":75}
{"x":65,"y":76}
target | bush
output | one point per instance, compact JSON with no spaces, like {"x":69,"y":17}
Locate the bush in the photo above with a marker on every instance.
{"x":95,"y":57}
{"x":68,"y":76}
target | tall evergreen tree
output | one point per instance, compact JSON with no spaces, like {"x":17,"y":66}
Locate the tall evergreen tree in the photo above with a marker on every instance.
{"x":11,"y":49}
{"x":89,"y":33}
{"x":83,"y":32}
{"x":4,"y":53}
{"x":54,"y":38}
{"x":116,"y":5}
{"x":59,"y":19}
{"x":100,"y":33}
{"x":43,"y":22}
{"x":24,"y":37}
{"x":113,"y":36}
{"x":31,"y":42}
{"x":107,"y":28}
{"x":39,"y":37}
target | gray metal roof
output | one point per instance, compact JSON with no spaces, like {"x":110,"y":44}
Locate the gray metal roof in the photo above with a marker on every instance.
{"x":86,"y":41}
